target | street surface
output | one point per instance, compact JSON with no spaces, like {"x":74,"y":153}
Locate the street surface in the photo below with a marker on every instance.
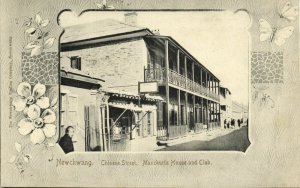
{"x":233,"y":140}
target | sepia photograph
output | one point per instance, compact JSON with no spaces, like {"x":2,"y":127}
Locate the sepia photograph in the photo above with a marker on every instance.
{"x":154,"y":81}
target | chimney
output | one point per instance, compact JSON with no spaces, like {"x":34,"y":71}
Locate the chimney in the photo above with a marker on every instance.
{"x":156,"y":32}
{"x":131,"y":18}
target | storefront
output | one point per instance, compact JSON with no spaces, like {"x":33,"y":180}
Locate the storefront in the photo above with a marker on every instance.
{"x":132,"y":122}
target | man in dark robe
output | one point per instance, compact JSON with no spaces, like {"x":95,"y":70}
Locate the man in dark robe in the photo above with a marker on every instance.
{"x":66,"y":142}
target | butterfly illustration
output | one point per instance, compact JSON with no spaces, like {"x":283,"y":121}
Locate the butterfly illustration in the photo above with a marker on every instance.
{"x":276,"y":35}
{"x":289,"y":12}
{"x":262,"y":97}
{"x":104,"y":5}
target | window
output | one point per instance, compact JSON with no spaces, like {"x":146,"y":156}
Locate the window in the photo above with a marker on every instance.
{"x":76,"y":62}
{"x":68,"y":111}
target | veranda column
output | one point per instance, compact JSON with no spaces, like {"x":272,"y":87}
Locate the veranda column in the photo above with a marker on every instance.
{"x":185,"y":94}
{"x":194,"y":109}
{"x":178,"y":91}
{"x":167,"y":87}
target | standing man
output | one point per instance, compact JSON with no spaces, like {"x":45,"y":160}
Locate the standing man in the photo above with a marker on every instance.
{"x":66,"y":142}
{"x":239,"y":123}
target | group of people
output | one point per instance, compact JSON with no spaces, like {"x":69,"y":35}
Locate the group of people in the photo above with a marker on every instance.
{"x":232,"y":122}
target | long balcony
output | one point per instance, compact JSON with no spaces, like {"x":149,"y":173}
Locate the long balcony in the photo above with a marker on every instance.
{"x":159,"y":75}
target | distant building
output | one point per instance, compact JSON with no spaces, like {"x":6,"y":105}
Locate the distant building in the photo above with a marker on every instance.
{"x":239,"y":111}
{"x":226,"y":104}
{"x":124,"y":54}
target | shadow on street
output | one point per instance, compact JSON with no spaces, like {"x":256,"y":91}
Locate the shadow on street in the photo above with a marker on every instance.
{"x":234,"y":141}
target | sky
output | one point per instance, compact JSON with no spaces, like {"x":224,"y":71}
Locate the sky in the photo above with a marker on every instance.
{"x":219,"y":40}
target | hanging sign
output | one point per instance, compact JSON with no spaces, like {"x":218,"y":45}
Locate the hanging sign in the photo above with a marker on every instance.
{"x":148,"y":87}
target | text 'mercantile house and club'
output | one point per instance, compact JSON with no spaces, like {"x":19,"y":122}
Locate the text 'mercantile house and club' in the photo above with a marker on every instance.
{"x":124,"y":87}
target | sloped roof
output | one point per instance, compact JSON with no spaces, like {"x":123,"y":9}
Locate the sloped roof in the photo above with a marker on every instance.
{"x":98,"y":29}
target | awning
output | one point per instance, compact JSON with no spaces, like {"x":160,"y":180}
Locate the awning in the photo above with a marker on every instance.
{"x":131,"y":106}
{"x":125,"y":94}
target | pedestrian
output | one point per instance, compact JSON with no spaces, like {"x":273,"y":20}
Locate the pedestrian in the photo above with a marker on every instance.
{"x":66,"y":142}
{"x":228,"y":124}
{"x":224,"y":123}
{"x":239,"y":123}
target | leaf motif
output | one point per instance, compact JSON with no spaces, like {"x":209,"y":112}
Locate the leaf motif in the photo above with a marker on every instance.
{"x":36,"y":51}
{"x":54,"y":101}
{"x":12,"y":159}
{"x":49,"y":43}
{"x":38,"y":19}
{"x":54,"y":107}
{"x":27,"y":23}
{"x":46,"y":34}
{"x":30,"y":30}
{"x":44,"y":23}
{"x":110,"y":7}
{"x":101,"y":6}
{"x":18,"y":146}
{"x":30,"y":45}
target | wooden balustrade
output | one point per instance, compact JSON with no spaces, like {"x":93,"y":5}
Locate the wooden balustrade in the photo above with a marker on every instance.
{"x":159,"y":75}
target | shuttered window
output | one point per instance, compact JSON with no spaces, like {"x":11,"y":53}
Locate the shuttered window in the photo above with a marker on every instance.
{"x":76,"y":62}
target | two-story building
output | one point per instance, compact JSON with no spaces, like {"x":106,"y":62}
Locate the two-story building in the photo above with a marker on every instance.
{"x":124,"y":54}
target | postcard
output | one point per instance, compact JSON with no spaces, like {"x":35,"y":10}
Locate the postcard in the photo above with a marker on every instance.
{"x":128,"y":93}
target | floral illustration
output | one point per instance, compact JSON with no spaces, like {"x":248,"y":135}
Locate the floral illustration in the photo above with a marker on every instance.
{"x":35,"y":36}
{"x":38,"y":111}
{"x":21,"y":158}
{"x":26,"y":97}
{"x":104,"y":6}
{"x":38,"y":125}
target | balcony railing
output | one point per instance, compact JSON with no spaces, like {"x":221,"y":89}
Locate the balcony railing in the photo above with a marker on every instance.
{"x":159,"y":75}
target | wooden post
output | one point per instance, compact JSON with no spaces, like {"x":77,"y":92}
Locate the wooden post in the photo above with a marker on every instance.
{"x":108,"y":127}
{"x":194,"y":111}
{"x":201,"y":113}
{"x":208,"y":115}
{"x":206,"y":82}
{"x":186,"y":105}
{"x":178,"y":91}
{"x":101,"y":118}
{"x":201,"y":81}
{"x":185,"y":94}
{"x":185,"y":71}
{"x":167,"y":87}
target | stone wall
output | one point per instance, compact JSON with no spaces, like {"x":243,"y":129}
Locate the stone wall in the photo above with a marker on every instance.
{"x":119,"y":64}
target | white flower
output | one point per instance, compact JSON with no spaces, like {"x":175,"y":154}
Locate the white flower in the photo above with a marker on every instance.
{"x":39,"y":126}
{"x":27,"y":98}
